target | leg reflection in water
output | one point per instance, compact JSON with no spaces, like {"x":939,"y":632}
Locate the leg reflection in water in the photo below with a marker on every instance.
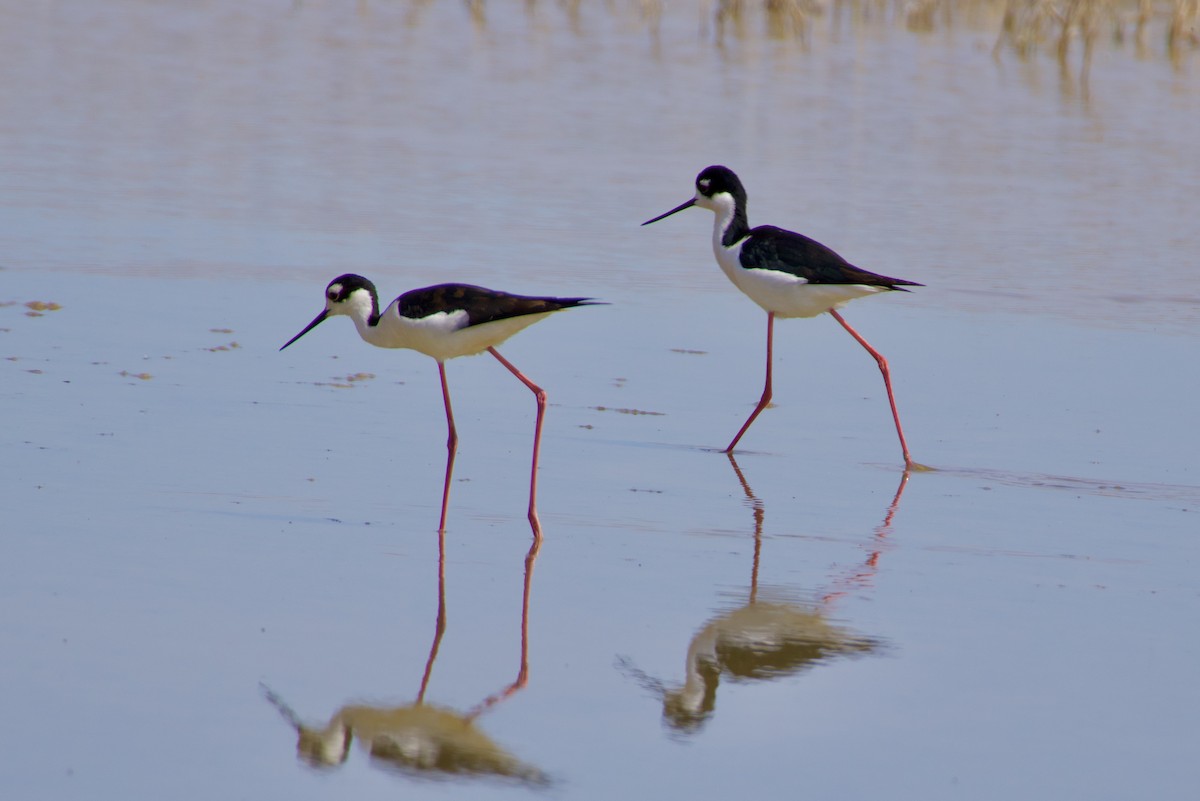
{"x":763,"y":640}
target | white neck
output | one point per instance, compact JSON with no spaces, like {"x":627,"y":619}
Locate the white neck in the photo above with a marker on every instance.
{"x":724,"y":207}
{"x":358,"y":307}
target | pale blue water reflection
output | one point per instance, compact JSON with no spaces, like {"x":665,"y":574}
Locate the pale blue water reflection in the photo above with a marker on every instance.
{"x":190,"y":516}
{"x":178,"y":539}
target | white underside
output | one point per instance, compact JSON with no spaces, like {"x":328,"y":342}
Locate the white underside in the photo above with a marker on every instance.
{"x":444,"y":335}
{"x":784,"y":293}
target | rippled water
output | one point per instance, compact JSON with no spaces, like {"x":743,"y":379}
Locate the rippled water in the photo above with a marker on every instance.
{"x":220,"y":565}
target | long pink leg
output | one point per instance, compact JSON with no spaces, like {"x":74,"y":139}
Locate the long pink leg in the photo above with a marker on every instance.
{"x":540,"y":394}
{"x":451,"y":448}
{"x":446,"y":490}
{"x":766,"y":396}
{"x":887,"y":381}
{"x":452,"y":442}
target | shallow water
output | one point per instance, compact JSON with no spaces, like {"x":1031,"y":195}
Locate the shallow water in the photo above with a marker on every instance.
{"x":214,"y":551}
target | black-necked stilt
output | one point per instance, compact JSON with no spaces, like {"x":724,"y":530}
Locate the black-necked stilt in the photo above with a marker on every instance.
{"x":444,"y":322}
{"x":787,"y":274}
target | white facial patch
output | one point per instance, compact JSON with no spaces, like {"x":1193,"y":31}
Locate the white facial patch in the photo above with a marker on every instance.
{"x":722,"y":203}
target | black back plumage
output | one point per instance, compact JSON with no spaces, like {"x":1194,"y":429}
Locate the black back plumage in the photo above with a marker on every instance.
{"x":481,"y":305}
{"x":771,"y":248}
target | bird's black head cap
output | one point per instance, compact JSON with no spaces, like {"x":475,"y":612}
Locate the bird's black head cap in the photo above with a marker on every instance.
{"x":343,"y":286}
{"x":717,"y":179}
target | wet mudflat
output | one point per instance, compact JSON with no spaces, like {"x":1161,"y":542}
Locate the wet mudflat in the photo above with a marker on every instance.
{"x":221,"y":573}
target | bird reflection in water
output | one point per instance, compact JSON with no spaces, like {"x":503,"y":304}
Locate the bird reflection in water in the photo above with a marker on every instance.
{"x":421,"y":739}
{"x":764,"y":640}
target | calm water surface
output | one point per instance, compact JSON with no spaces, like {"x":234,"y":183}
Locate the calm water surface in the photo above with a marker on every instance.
{"x":220,"y":572}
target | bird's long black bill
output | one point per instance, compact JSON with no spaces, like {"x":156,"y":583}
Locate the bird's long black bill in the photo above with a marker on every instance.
{"x":678,"y":208}
{"x":320,"y":318}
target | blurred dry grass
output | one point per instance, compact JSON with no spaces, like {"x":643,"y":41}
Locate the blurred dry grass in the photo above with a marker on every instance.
{"x":1022,"y":27}
{"x":1029,"y":25}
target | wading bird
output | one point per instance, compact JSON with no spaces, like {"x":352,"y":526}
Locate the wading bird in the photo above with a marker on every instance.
{"x":787,"y":274}
{"x":444,"y":322}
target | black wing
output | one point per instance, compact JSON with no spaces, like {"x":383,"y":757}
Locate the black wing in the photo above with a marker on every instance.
{"x":771,"y":248}
{"x":481,"y":305}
